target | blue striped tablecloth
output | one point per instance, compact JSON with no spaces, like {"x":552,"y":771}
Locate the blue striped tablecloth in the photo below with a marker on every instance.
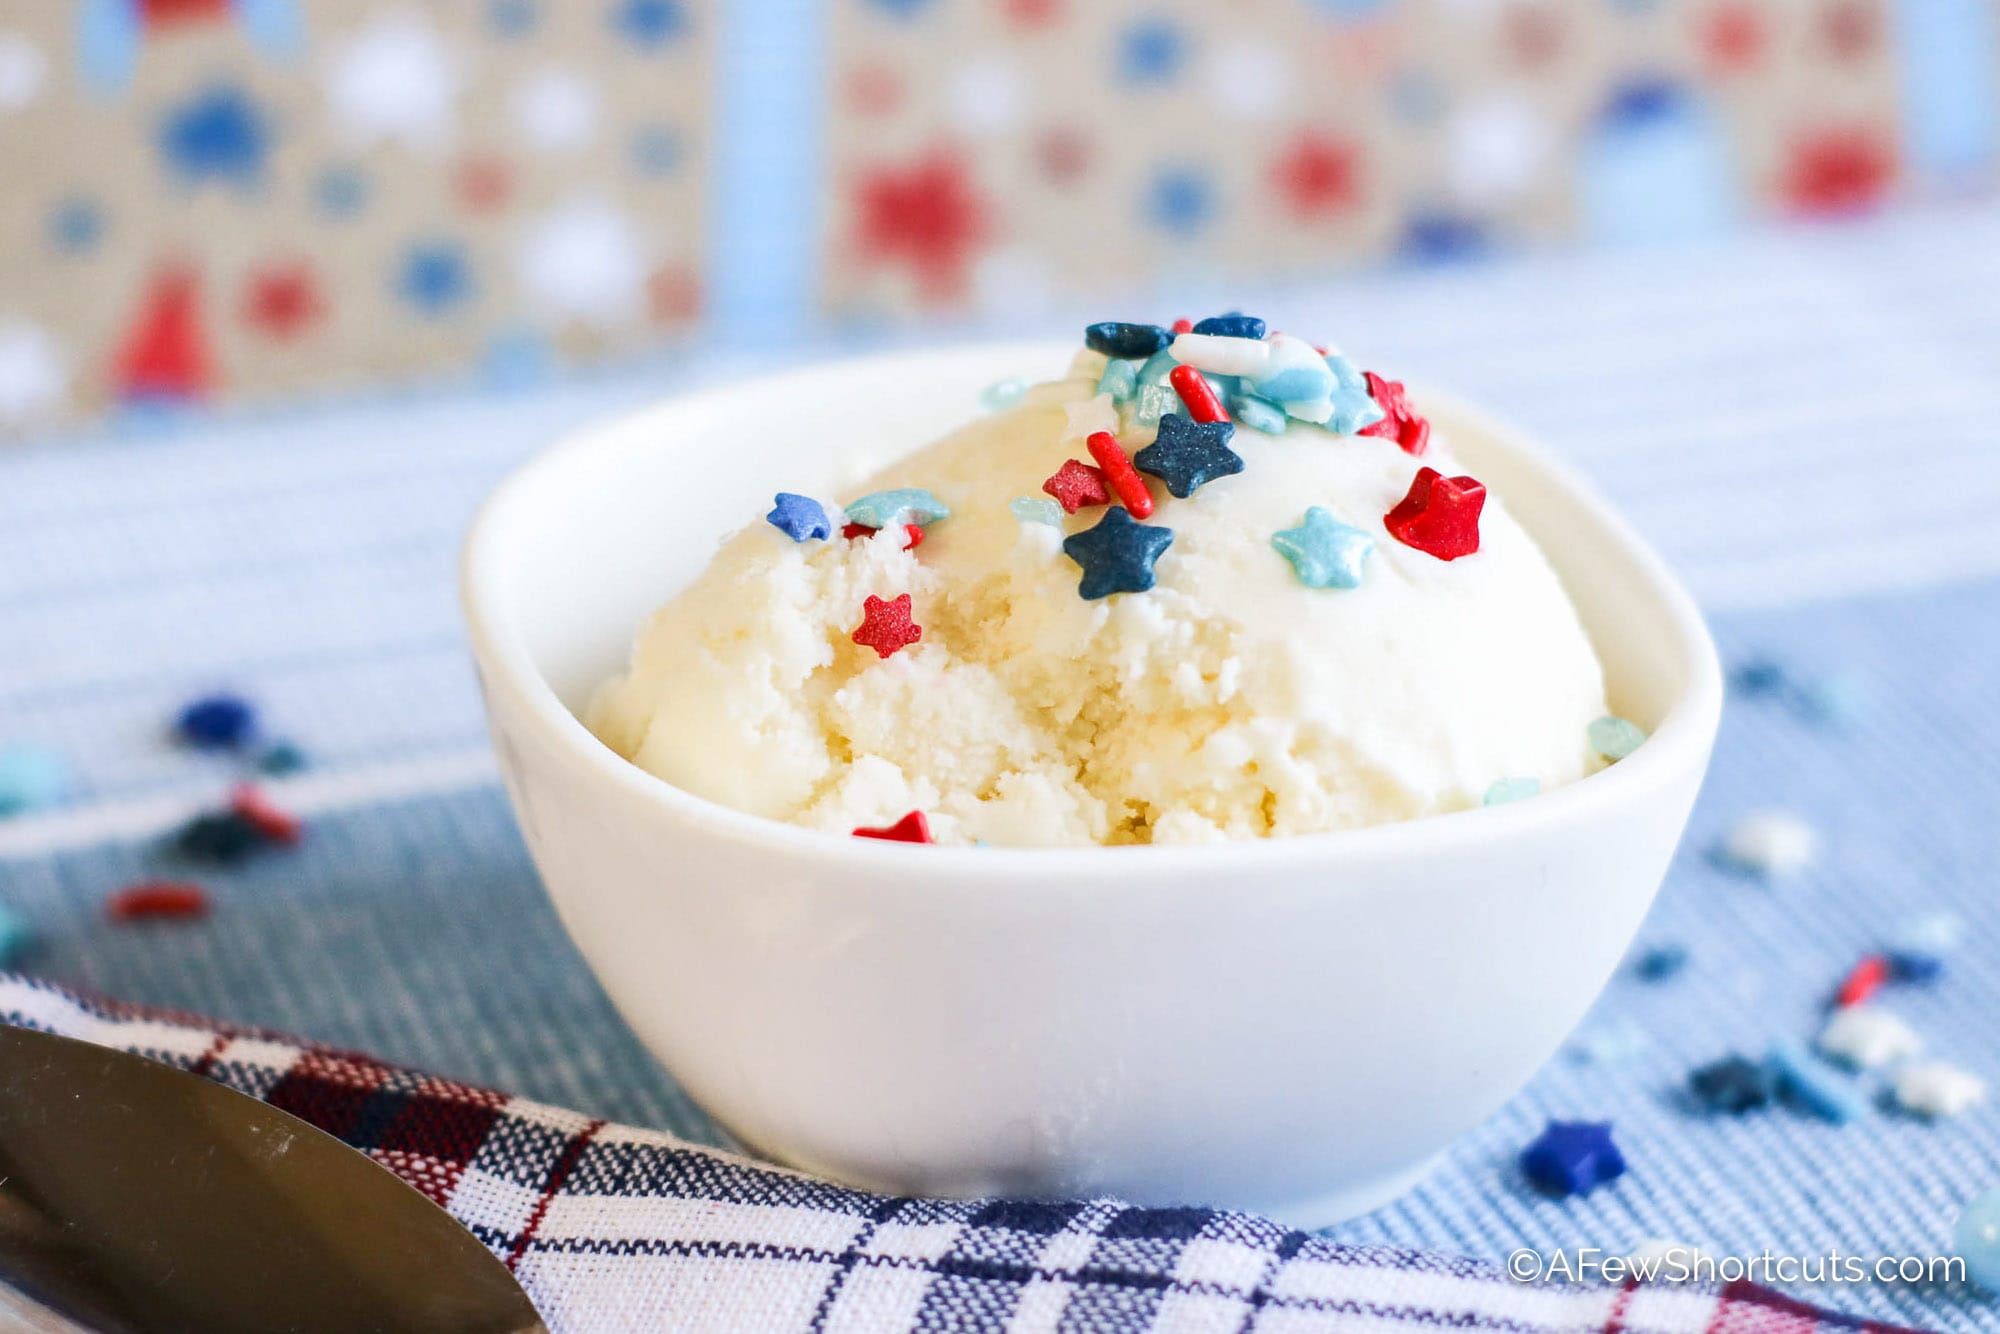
{"x":1803,"y":421}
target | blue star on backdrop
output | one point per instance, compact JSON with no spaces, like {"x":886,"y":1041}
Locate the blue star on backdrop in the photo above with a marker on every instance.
{"x":1151,"y":51}
{"x":219,"y":134}
{"x":435,"y":277}
{"x":649,"y":23}
{"x":76,"y":226}
{"x":1180,"y":200}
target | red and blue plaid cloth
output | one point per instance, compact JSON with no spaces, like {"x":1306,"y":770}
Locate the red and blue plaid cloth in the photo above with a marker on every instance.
{"x":615,"y":1228}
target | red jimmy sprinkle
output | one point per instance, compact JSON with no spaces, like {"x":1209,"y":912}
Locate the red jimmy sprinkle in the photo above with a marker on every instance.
{"x":1197,"y":394}
{"x":886,"y":626}
{"x":914,"y":533}
{"x":157,"y":898}
{"x":912,"y":828}
{"x":1866,"y":979}
{"x":1439,"y":516}
{"x":1119,"y":472}
{"x":1400,"y":421}
{"x":1183,"y":325}
{"x":257,"y":811}
{"x":1077,"y":485}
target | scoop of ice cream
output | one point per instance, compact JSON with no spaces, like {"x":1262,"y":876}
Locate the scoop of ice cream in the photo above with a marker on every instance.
{"x":1294,"y":667}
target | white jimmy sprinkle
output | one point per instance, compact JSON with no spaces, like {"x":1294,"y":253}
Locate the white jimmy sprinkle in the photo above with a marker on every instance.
{"x":1937,"y":1088}
{"x":1865,"y":1037}
{"x":1773,"y":844}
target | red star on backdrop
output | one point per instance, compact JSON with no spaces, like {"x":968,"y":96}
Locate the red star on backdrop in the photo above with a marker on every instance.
{"x":1033,"y":13}
{"x":164,"y":13}
{"x":924,"y":217}
{"x":1535,"y":34}
{"x":165,"y":349}
{"x":1063,"y":155}
{"x":1850,"y":30}
{"x":673,"y":294}
{"x":1318,"y":176}
{"x":483,"y":184}
{"x":873,"y":90}
{"x":283,"y":300}
{"x":1733,"y":38}
{"x":1839,"y":171}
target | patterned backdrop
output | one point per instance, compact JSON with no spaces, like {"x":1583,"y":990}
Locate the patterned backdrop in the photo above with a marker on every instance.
{"x":225,"y":200}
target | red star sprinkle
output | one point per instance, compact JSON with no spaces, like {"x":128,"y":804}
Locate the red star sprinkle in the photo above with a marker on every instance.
{"x":1400,"y":421}
{"x":925,"y":216}
{"x":913,"y":533}
{"x":912,"y":828}
{"x":1077,"y":485}
{"x":1115,"y":467}
{"x":283,"y":300}
{"x":886,"y":626}
{"x":1318,"y":177}
{"x":1440,"y":515}
{"x":257,"y":810}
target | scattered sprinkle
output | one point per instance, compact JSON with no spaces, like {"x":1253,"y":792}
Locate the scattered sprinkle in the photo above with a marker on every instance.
{"x":1003,"y":394}
{"x":1117,"y":555}
{"x":157,"y":899}
{"x":1732,"y":1086}
{"x":221,"y":837}
{"x":16,"y":937}
{"x":1918,"y":947}
{"x":266,"y":817}
{"x":1864,"y":1037}
{"x":1033,"y":509}
{"x":1439,"y":516}
{"x":281,"y":759}
{"x":1937,"y":1089}
{"x":1077,"y":485}
{"x":1864,"y":980}
{"x":1614,"y":738}
{"x":1197,"y":394}
{"x":912,"y":828}
{"x":1771,"y":844}
{"x":1119,"y":474}
{"x":913,"y":536}
{"x":1400,"y":421}
{"x":1831,"y":700}
{"x":1188,"y":455}
{"x":886,"y":626}
{"x":1126,"y":341}
{"x":1153,"y":402}
{"x":1505,"y":790}
{"x":912,"y":504}
{"x":1353,"y":406}
{"x":1573,"y":1158}
{"x":1760,"y":676}
{"x":1976,"y":1239}
{"x":1609,"y":1044}
{"x":1233,"y":325}
{"x":1120,"y":380}
{"x":1661,"y":962}
{"x":217,"y":722}
{"x":1811,"y":1086}
{"x":1256,"y":413}
{"x":799,"y":517}
{"x":1085,"y":417}
{"x":31,"y":779}
{"x":1182,"y":325}
{"x":1326,"y":553}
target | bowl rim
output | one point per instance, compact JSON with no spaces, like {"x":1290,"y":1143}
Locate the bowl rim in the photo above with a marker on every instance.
{"x":1680,"y":743}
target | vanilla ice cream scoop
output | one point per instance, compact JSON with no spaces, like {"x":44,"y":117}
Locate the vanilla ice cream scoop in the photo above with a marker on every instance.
{"x":1329,"y":632}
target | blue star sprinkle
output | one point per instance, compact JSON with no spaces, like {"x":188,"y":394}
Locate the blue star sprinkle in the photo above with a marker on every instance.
{"x":217,"y":722}
{"x":907,"y":504}
{"x":1233,"y":325}
{"x":1117,"y":555}
{"x":219,"y":134}
{"x":799,"y":517}
{"x":1120,"y":380}
{"x":1614,"y":738}
{"x":1324,"y":552}
{"x":1733,"y":1085}
{"x":1505,"y":790}
{"x":1353,"y":406}
{"x":1661,"y":962}
{"x":1032,"y":509}
{"x":1811,"y":1086}
{"x":1259,"y":414}
{"x":1573,"y":1157}
{"x":1187,"y":454}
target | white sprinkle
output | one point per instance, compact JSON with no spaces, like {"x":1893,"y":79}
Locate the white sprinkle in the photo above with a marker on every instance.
{"x":1865,"y":1037}
{"x":1937,"y":1088}
{"x":1087,"y":416}
{"x":1222,"y":356}
{"x":1773,"y":844}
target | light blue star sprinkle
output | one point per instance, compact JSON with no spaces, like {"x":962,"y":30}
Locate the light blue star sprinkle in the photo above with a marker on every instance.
{"x":1353,"y":406}
{"x":1505,"y":790}
{"x":1324,"y":552}
{"x":905,"y":504}
{"x":1002,"y":394}
{"x":1120,"y":380}
{"x":1614,"y":738}
{"x":1256,"y":413}
{"x":1033,"y":509}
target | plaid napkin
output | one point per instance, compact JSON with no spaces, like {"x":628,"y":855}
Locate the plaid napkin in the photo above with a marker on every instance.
{"x":614,"y":1228}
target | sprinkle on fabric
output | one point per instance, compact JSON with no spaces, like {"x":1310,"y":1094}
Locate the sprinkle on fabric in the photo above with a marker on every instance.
{"x":1573,"y":1158}
{"x":256,"y":809}
{"x":1188,"y":455}
{"x":16,"y":937}
{"x":1353,"y":406}
{"x":1811,"y":1086}
{"x":912,"y":828}
{"x":1609,"y":1044}
{"x":1937,"y":1089}
{"x":161,"y":899}
{"x":1661,"y":963}
{"x":1918,"y":947}
{"x":913,"y":536}
{"x":222,"y":837}
{"x":281,"y":759}
{"x":1506,"y":790}
{"x":1614,"y":738}
{"x":1864,"y":980}
{"x":1119,"y":474}
{"x":31,"y":779}
{"x":217,"y":722}
{"x":1126,"y":341}
{"x":1976,"y":1239}
{"x":1002,"y":394}
{"x":800,"y":518}
{"x":1439,"y":516}
{"x":1077,"y":485}
{"x":1864,"y":1037}
{"x":1233,"y":325}
{"x":911,"y":504}
{"x":1731,"y":1086}
{"x":1324,"y":552}
{"x":1400,"y":421}
{"x":1256,"y":413}
{"x":1197,"y":394}
{"x":1770,"y":844}
{"x":1117,"y":555}
{"x":886,"y":626}
{"x":1033,"y":509}
{"x":1120,"y":380}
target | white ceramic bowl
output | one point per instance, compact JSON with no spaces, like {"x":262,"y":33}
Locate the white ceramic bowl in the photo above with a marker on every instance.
{"x":1296,"y":1026}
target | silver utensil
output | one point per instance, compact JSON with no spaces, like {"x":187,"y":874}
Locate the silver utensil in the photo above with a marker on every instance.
{"x":136,"y":1198}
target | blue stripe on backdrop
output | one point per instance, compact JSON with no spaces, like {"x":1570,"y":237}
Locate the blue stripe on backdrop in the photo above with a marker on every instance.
{"x":415,"y":930}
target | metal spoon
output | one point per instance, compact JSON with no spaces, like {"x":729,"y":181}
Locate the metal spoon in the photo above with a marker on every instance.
{"x":135,"y":1198}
